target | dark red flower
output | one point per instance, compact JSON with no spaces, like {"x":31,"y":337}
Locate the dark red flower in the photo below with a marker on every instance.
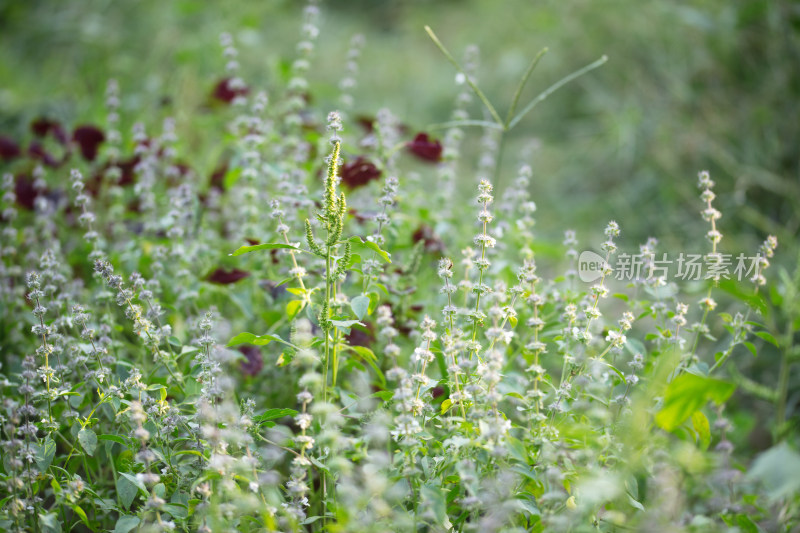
{"x":42,"y":127}
{"x":88,"y":138}
{"x":9,"y":149}
{"x":433,"y":243}
{"x":253,"y":362}
{"x":226,"y":277}
{"x":437,"y":391}
{"x":358,"y":173}
{"x":25,"y":191}
{"x":225,"y":93}
{"x":359,"y":337}
{"x":425,"y":148}
{"x":36,"y":151}
{"x":127,"y":170}
{"x":218,"y":176}
{"x":368,"y":123}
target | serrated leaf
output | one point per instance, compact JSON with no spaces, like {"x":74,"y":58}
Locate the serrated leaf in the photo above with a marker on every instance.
{"x":359,"y":243}
{"x":257,"y":340}
{"x":359,"y":305}
{"x":88,"y":440}
{"x":266,"y":246}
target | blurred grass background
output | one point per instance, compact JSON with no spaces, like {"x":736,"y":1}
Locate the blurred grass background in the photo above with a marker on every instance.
{"x":690,"y":85}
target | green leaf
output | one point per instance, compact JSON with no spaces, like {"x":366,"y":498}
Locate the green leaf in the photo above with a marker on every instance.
{"x":434,"y":498}
{"x":293,"y":308}
{"x":88,"y":440}
{"x":81,"y":514}
{"x":635,"y":503}
{"x":369,"y":356}
{"x":767,"y":337}
{"x":359,"y":305}
{"x":266,"y":246}
{"x":45,"y":453}
{"x":385,"y":395}
{"x":779,"y":470}
{"x":446,"y":405}
{"x":126,"y":523}
{"x":258,"y":340}
{"x":345,"y":324}
{"x":49,"y":523}
{"x":128,"y":487}
{"x":754,"y":300}
{"x":272,"y":414}
{"x":702,"y":427}
{"x":358,"y":243}
{"x":686,"y":394}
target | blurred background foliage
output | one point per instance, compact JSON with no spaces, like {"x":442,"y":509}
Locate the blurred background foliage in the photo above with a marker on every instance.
{"x":689,"y":85}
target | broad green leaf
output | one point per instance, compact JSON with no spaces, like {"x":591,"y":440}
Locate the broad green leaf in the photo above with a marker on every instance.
{"x":266,"y":246}
{"x":49,"y":523}
{"x":88,"y":440}
{"x":128,"y":487}
{"x":435,"y":499}
{"x":702,"y":427}
{"x":686,"y":394}
{"x":357,"y":243}
{"x":779,"y":470}
{"x":258,"y":340}
{"x":446,"y":405}
{"x":293,"y":308}
{"x":359,"y":305}
{"x":45,"y":453}
{"x":126,"y":523}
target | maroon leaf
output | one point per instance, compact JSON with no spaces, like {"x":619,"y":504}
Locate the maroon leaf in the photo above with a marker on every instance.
{"x":88,"y":138}
{"x":425,"y":148}
{"x":226,"y":277}
{"x":9,"y":149}
{"x":358,"y":173}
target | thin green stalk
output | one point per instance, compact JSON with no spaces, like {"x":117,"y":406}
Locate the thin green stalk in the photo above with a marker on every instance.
{"x":469,"y":81}
{"x":553,"y":88}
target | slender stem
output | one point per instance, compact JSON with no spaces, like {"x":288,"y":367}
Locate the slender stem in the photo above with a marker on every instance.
{"x":469,"y":81}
